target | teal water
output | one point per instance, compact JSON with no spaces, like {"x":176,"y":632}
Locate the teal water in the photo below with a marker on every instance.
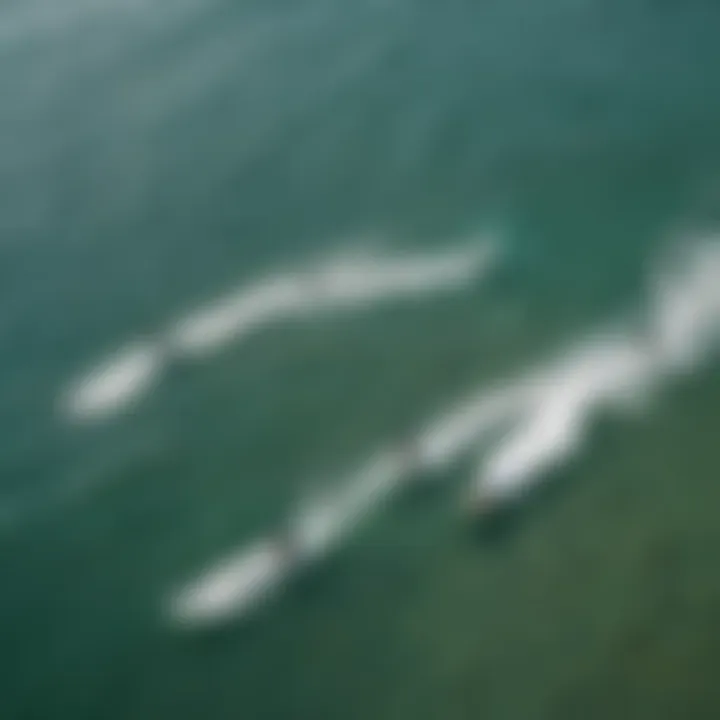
{"x":153,"y":156}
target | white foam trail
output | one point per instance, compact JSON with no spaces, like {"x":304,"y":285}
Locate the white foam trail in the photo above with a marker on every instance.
{"x":682,"y":332}
{"x":117,"y":383}
{"x":447,"y":438}
{"x":609,"y":368}
{"x":555,"y":424}
{"x":686,"y":307}
{"x":364,"y":277}
{"x":238,"y":584}
{"x":322,"y":523}
{"x":237,"y":315}
{"x":548,"y":438}
{"x":348,"y":281}
{"x":232,"y":587}
{"x":340,"y":282}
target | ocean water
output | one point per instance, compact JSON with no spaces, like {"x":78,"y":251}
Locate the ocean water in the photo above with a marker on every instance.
{"x":246,"y":245}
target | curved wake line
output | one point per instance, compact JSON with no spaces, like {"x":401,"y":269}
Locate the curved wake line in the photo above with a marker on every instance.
{"x":238,"y":583}
{"x":349,"y":281}
{"x":607,"y":371}
{"x":611,"y":372}
{"x":546,"y":413}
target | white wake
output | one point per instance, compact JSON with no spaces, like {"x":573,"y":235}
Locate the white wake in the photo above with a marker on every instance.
{"x":680,"y":333}
{"x":341,"y":282}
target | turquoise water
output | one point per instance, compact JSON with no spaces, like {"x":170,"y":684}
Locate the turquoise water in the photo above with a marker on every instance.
{"x":155,"y":156}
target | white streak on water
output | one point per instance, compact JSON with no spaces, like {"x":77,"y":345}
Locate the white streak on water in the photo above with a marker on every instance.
{"x":321,"y":525}
{"x":340,"y":282}
{"x":114,"y":385}
{"x":682,"y":332}
{"x":556,"y":422}
{"x":449,"y":436}
{"x":237,"y":315}
{"x":236,"y":585}
{"x":686,"y":307}
{"x":233,"y":586}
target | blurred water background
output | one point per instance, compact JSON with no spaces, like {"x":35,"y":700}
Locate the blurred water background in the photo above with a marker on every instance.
{"x":157,"y":156}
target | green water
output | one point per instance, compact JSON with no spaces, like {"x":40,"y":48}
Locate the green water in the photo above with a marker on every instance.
{"x":153,"y":155}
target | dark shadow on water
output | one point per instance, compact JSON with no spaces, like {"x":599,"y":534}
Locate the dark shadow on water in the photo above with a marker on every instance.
{"x":501,"y":524}
{"x":497,"y":526}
